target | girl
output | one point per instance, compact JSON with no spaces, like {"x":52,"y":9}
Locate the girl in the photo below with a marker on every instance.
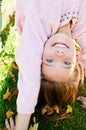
{"x":53,"y":95}
{"x":37,"y":21}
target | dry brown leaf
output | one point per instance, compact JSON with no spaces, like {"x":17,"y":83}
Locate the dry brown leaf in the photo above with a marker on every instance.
{"x":9,"y":113}
{"x":34,"y":127}
{"x":7,"y":94}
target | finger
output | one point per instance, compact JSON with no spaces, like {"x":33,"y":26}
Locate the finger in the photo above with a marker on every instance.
{"x":11,"y":122}
{"x":82,"y":99}
{"x":15,"y":118}
{"x":7,"y":124}
{"x":83,"y":106}
{"x":84,"y":103}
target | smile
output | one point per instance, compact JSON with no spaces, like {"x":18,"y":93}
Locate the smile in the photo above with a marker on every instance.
{"x":60,"y":44}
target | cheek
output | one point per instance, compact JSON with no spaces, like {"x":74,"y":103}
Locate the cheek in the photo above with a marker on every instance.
{"x":43,"y":68}
{"x":72,"y":55}
{"x":47,"y":53}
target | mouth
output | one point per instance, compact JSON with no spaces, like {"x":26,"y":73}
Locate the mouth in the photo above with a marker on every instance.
{"x":60,"y":44}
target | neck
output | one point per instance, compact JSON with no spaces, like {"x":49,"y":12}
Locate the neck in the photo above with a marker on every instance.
{"x":65,"y":29}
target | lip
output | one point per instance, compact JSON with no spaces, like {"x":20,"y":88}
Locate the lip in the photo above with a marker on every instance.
{"x":61,"y":44}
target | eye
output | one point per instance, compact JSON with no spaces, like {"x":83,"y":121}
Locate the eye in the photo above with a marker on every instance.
{"x":49,"y":60}
{"x":67,"y":62}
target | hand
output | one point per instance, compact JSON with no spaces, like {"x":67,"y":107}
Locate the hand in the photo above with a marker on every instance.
{"x":22,"y":121}
{"x":83,"y":100}
{"x":10,"y":124}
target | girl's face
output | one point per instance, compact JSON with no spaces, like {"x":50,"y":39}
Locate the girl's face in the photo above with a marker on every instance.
{"x":59,"y":58}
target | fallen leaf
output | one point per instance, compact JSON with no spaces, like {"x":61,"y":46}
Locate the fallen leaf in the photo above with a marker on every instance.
{"x":5,"y":129}
{"x":11,"y":74}
{"x":34,"y":127}
{"x":13,"y":93}
{"x":9,"y":113}
{"x":14,"y":66}
{"x":69,"y":109}
{"x":7,"y":94}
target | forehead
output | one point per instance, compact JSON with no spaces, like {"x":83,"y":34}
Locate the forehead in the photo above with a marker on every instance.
{"x":55,"y":73}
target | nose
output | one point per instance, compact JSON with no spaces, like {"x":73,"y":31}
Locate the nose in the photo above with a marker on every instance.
{"x":60,"y":53}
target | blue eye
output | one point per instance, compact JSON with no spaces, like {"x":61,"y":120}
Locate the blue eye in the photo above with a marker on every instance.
{"x":49,"y":60}
{"x":67,"y":62}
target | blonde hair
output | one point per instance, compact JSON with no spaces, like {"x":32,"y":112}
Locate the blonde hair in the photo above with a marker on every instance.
{"x":54,"y":95}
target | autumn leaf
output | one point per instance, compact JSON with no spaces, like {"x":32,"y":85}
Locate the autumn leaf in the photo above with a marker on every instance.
{"x":34,"y":127}
{"x":14,"y":66}
{"x":7,"y":94}
{"x":13,"y":93}
{"x":9,"y":113}
{"x":14,"y":79}
{"x":69,"y":109}
{"x":5,"y":129}
{"x":11,"y":74}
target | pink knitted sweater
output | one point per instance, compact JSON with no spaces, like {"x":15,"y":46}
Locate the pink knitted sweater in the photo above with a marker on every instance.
{"x":36,"y":20}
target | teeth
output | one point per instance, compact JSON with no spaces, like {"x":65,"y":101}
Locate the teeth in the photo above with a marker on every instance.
{"x":60,"y":45}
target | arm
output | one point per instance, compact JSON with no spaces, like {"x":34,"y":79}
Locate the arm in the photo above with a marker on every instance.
{"x":22,"y":121}
{"x":28,"y":58}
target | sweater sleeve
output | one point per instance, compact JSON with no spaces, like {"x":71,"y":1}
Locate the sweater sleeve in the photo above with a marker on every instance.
{"x":28,"y":57}
{"x":79,"y":31}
